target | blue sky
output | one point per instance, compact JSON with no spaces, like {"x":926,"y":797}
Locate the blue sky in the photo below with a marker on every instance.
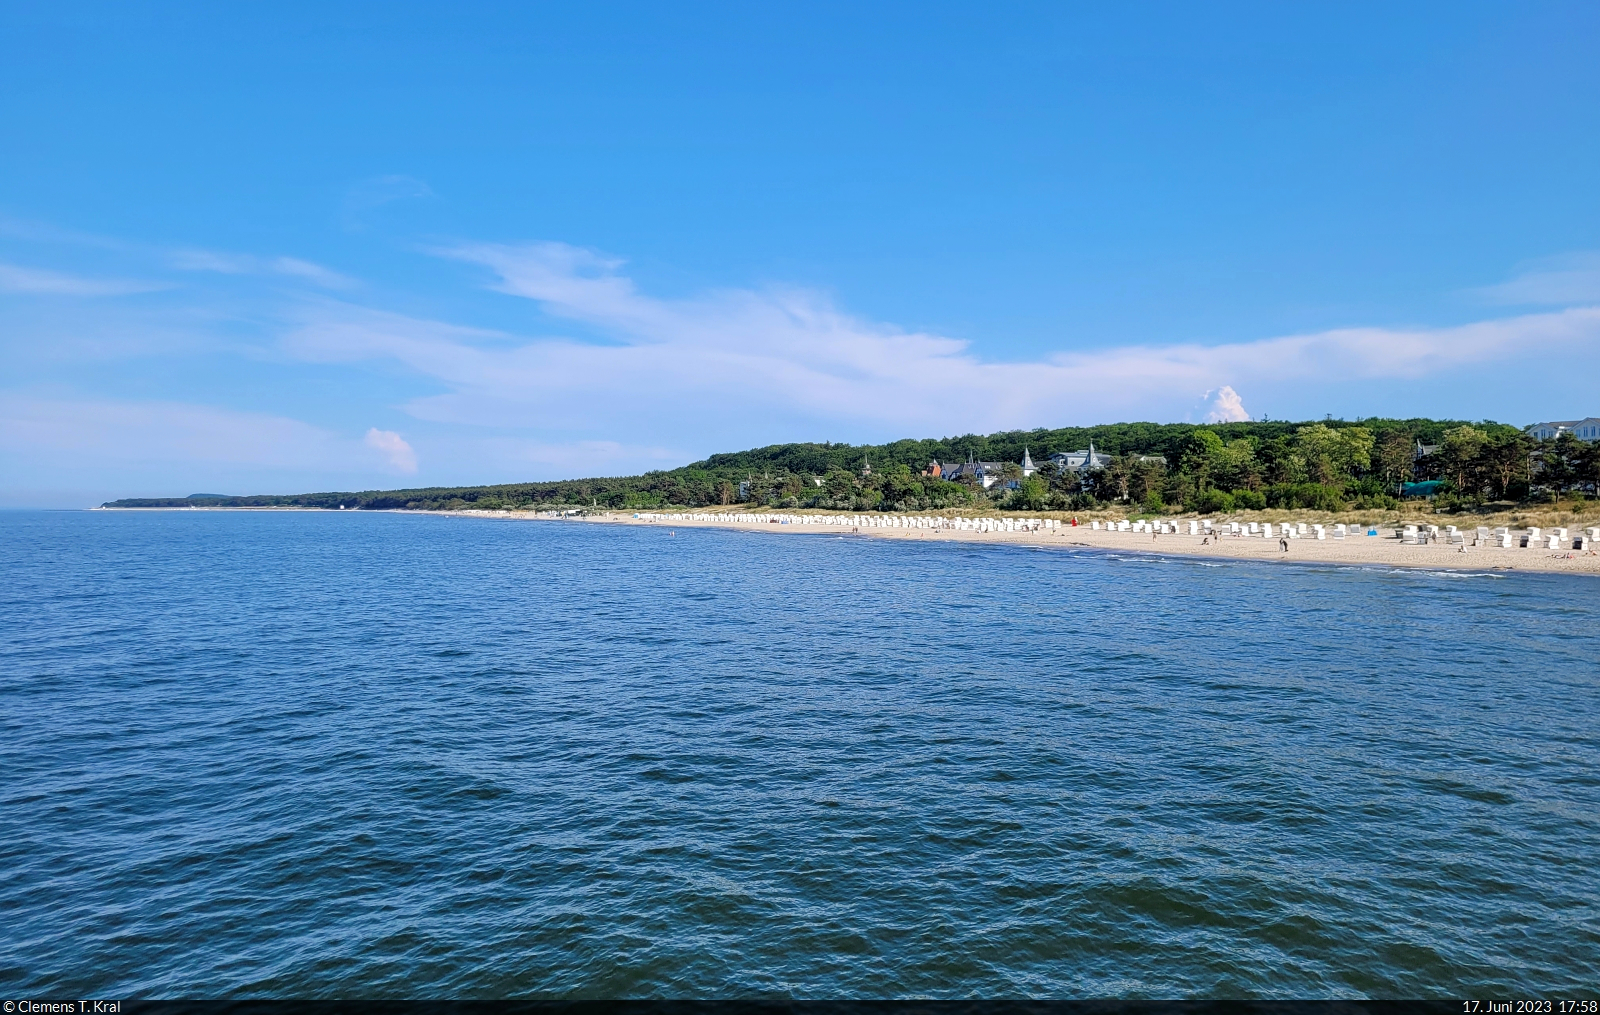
{"x":287,"y":247}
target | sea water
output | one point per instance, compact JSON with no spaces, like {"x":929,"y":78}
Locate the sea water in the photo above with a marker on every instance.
{"x":385,"y":755}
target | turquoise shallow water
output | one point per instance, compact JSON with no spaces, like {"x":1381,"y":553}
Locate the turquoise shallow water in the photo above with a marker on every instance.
{"x":273,"y":754}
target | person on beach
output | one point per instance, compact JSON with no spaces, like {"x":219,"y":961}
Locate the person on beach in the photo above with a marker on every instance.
{"x":1283,"y":544}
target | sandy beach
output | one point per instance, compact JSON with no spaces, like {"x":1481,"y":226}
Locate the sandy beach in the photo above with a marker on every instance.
{"x":1352,"y":550}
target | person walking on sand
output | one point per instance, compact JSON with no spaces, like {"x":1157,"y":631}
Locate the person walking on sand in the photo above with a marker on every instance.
{"x":1283,"y":544}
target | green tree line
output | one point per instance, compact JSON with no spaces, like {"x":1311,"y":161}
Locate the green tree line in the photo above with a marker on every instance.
{"x":1324,"y":465}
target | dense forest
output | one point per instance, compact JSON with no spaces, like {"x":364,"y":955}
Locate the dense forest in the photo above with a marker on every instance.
{"x":1325,"y":465}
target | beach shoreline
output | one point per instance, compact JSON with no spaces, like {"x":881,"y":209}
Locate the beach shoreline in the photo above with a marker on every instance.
{"x":1352,"y":550}
{"x":1355,"y":551}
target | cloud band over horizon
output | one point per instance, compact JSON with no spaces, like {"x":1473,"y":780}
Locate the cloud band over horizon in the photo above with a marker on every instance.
{"x":641,"y":381}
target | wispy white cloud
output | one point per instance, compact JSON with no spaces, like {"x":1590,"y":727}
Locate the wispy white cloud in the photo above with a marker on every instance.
{"x":248,"y":264}
{"x":46,"y":232}
{"x":1555,"y":281}
{"x":314,"y":273}
{"x":573,"y":458}
{"x":790,"y":356}
{"x":37,"y":281}
{"x":183,"y":258}
{"x":393,"y":448}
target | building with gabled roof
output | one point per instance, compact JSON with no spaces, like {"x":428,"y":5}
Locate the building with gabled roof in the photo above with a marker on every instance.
{"x":1085,"y":460}
{"x":1583,"y":429}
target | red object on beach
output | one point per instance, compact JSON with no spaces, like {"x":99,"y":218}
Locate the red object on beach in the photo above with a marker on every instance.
{"x":1074,"y":523}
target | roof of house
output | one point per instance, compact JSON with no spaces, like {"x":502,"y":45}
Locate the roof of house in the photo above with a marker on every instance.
{"x":1081,"y":458}
{"x":974,"y":467}
{"x":1562,"y":424}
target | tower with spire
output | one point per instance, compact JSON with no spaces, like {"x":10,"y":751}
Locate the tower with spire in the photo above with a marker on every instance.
{"x":1027,"y":464}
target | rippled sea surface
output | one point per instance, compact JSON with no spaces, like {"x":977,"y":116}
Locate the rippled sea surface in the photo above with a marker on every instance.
{"x":324,"y":754}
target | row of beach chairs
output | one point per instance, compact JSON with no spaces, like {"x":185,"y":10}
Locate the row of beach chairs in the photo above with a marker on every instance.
{"x":1531,"y":538}
{"x":1502,"y":537}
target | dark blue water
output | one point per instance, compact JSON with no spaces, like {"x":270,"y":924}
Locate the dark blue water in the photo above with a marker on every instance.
{"x":272,"y":754}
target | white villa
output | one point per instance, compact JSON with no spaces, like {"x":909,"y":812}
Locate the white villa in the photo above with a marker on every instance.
{"x":1583,"y":429}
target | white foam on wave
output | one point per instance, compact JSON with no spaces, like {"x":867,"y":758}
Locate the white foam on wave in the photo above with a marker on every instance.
{"x":1418,"y":572}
